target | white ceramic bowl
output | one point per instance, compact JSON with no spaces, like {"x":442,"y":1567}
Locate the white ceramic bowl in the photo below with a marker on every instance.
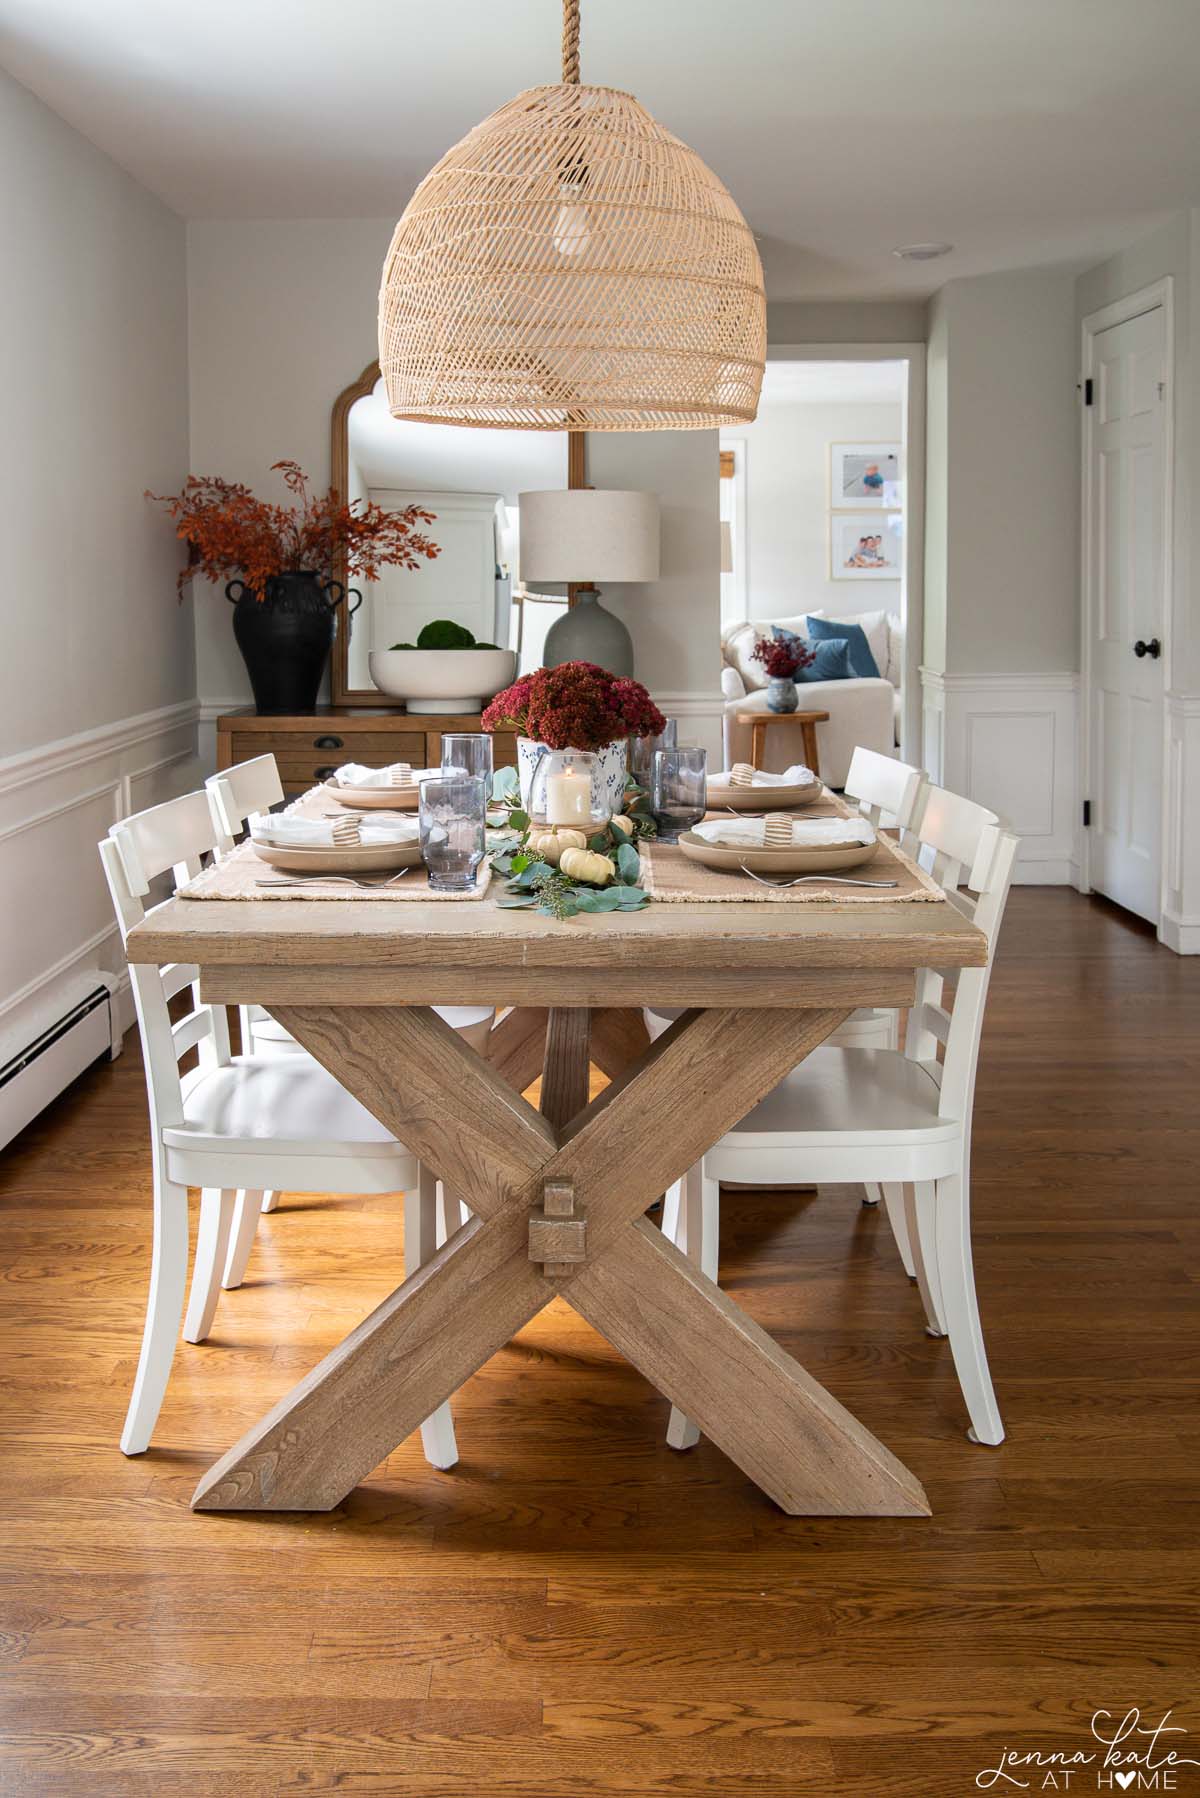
{"x":443,"y":680}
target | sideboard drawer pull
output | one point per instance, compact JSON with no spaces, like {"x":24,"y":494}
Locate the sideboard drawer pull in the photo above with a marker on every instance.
{"x":327,"y":743}
{"x":323,"y":773}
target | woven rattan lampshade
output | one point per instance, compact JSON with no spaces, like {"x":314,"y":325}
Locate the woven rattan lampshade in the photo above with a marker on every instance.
{"x":571,"y":265}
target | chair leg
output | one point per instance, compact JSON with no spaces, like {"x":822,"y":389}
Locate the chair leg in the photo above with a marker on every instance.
{"x":164,"y":1308}
{"x":420,"y":1245}
{"x":246,"y":1212}
{"x":673,"y":1225}
{"x":270,"y":1200}
{"x":893,"y":1199}
{"x":212,"y":1243}
{"x":452,"y":1214}
{"x":871,"y":1193}
{"x":699,"y":1238}
{"x":920,"y":1211}
{"x":955,"y":1267}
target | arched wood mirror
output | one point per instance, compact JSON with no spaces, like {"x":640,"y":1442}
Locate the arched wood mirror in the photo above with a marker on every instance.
{"x":470,"y":480}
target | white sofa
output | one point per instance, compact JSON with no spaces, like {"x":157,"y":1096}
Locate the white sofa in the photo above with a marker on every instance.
{"x":865,"y":712}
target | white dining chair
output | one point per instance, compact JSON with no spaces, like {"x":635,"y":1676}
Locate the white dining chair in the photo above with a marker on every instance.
{"x":248,"y":1122}
{"x":888,"y":793}
{"x":901,"y":1119}
{"x":234,"y":795}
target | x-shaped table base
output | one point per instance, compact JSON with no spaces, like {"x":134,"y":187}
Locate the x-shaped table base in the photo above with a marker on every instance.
{"x":524,"y":1179}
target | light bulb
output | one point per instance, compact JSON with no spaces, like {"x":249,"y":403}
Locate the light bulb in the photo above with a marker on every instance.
{"x":572,"y":228}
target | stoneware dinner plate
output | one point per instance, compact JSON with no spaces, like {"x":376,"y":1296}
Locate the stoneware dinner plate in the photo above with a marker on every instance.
{"x":389,"y":799}
{"x":763,"y":799}
{"x":821,"y":858}
{"x":302,"y":860}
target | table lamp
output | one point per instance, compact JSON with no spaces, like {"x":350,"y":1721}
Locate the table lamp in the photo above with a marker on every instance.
{"x":581,"y":535}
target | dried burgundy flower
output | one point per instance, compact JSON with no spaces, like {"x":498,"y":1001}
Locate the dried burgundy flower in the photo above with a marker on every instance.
{"x":782,"y":657}
{"x":575,"y":706}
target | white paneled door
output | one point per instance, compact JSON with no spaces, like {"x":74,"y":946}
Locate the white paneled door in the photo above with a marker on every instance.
{"x":1124,"y":614}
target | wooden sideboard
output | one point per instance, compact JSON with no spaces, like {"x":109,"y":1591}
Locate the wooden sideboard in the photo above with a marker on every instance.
{"x":310,"y":745}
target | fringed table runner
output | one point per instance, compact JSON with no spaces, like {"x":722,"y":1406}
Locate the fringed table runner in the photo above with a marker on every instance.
{"x":671,"y":878}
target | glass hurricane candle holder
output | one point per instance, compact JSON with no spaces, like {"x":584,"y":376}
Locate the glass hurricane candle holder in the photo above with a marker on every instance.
{"x":567,"y":789}
{"x":452,"y":825}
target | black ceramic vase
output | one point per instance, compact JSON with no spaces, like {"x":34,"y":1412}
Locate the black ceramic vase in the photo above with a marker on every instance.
{"x":286,"y":636}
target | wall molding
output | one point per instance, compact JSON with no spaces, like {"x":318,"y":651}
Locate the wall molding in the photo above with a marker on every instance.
{"x":1010,"y":741}
{"x":56,"y":802}
{"x":124,"y":734}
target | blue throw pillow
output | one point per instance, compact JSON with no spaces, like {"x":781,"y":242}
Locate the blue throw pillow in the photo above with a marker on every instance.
{"x":833,"y":657}
{"x":862,"y":662}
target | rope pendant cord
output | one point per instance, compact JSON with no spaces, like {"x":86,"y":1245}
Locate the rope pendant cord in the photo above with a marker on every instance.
{"x":570,"y":43}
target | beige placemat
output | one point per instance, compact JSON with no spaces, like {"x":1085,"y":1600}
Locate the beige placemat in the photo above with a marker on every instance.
{"x":669,"y":876}
{"x":237,"y":876}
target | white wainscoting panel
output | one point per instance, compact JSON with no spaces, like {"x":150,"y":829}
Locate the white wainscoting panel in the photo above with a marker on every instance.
{"x":56,"y":802}
{"x":1180,"y":925}
{"x":1010,"y":741}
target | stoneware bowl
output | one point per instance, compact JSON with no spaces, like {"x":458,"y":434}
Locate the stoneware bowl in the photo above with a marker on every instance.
{"x":443,"y":680}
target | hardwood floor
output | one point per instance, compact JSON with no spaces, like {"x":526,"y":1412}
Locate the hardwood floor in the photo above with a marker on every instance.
{"x":576,"y":1609}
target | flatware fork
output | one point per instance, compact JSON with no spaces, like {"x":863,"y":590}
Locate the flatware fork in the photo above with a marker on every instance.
{"x":341,"y":880}
{"x":844,"y":880}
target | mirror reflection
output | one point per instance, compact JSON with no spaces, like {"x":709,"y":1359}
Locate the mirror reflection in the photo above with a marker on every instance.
{"x":470,"y":480}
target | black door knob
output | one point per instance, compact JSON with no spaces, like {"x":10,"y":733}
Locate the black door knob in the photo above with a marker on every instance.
{"x":1153,"y":649}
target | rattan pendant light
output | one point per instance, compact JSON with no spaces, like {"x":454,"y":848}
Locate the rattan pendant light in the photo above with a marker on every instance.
{"x":570,"y":265}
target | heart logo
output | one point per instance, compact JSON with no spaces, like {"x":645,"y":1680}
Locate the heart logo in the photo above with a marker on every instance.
{"x":1125,"y":1780}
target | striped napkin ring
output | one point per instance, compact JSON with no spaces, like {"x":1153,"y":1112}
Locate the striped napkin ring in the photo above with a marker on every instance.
{"x":777,"y":831}
{"x":346,"y":832}
{"x":741,"y":775}
{"x":401,"y":775}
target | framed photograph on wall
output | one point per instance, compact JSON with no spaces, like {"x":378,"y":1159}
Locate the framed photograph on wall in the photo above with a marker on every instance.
{"x":866,"y":546}
{"x":864,"y":474}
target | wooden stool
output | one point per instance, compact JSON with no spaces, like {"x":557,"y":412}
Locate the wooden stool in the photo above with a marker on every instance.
{"x":807,"y":722}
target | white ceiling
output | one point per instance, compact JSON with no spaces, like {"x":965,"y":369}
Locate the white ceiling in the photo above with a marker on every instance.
{"x":1022,"y":131}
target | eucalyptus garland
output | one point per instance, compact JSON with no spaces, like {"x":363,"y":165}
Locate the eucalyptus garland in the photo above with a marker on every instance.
{"x":561,"y":873}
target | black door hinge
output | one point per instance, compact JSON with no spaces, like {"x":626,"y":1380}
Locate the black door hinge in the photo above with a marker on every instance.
{"x":1087,"y":391}
{"x":1087,"y":813}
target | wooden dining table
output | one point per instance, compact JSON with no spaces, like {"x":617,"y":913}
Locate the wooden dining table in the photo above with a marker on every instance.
{"x":558,"y":1194}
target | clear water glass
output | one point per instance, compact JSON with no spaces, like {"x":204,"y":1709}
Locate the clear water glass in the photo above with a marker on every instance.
{"x":642,"y":751}
{"x":452,"y":824}
{"x":468,"y":752}
{"x":678,"y":791}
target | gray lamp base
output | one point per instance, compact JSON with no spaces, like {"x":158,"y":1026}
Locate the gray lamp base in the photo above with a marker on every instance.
{"x":587,"y":633}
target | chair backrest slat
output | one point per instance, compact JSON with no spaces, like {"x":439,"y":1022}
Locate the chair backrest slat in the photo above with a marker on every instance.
{"x":234,"y":793}
{"x":886,"y":791}
{"x":176,"y":836}
{"x":959,"y":841}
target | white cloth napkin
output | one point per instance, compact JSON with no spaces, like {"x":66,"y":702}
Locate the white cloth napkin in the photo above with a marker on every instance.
{"x":282,"y":832}
{"x":807,"y":833}
{"x":799,"y":776}
{"x":353,"y":774}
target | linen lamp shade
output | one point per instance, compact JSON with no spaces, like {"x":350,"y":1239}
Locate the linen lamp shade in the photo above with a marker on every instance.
{"x":589,"y":534}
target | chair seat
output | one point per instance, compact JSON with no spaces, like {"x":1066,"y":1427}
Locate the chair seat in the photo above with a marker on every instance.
{"x":277,"y":1105}
{"x":875,"y":1093}
{"x":843,"y":1114}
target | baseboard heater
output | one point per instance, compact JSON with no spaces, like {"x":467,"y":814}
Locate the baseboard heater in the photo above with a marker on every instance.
{"x":83,"y":1028}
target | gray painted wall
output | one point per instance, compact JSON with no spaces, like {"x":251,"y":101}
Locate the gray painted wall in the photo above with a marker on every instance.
{"x":93,"y":369}
{"x":1002,"y":518}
